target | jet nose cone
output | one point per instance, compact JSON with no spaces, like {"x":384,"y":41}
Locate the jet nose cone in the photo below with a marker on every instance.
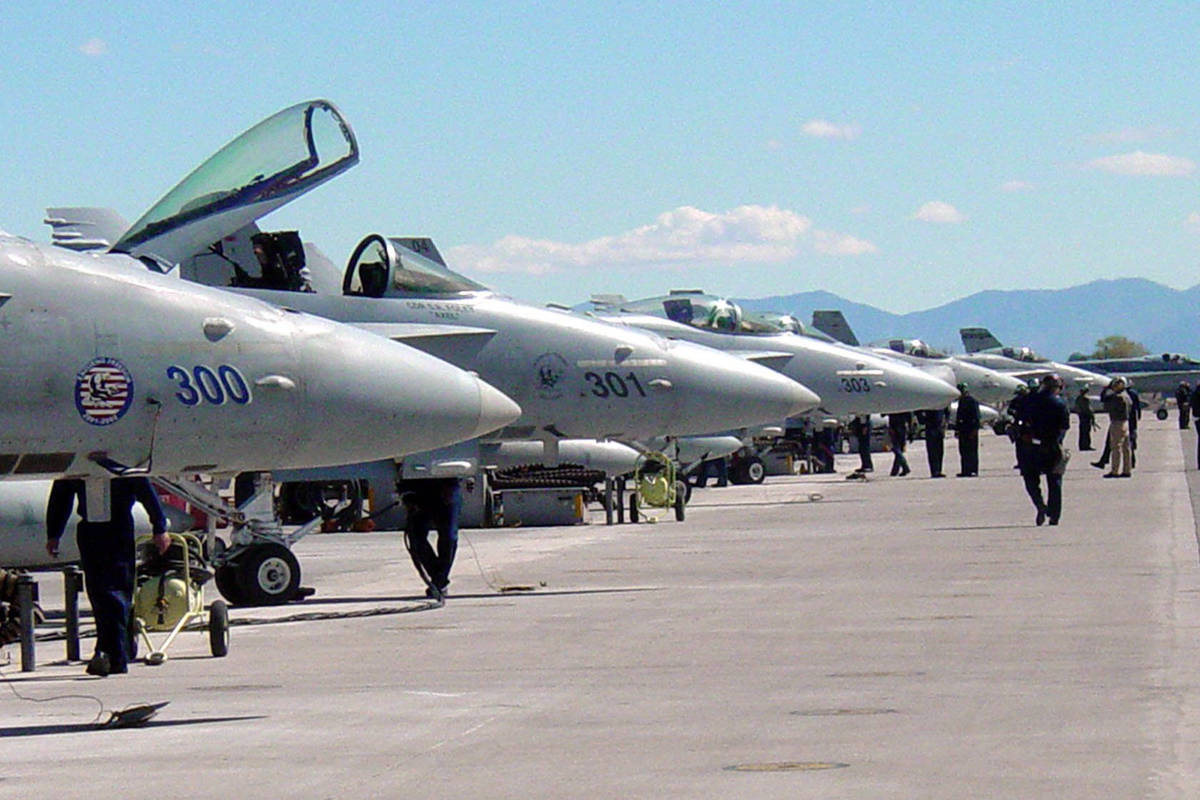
{"x":916,"y":390}
{"x":720,"y":391}
{"x":496,"y":409}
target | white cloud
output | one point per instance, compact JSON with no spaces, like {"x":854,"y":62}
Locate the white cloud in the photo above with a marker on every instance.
{"x":832,"y":243}
{"x":823,"y":129}
{"x":774,"y":145}
{"x":680,"y":238}
{"x":1016,"y":186}
{"x":1192,"y":222}
{"x":94,"y":47}
{"x":937,"y":211}
{"x":1140,"y":163}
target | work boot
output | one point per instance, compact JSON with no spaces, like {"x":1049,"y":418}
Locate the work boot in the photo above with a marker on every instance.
{"x":99,"y":665}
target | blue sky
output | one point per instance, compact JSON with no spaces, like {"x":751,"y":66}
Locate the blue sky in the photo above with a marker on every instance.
{"x":902,"y":155}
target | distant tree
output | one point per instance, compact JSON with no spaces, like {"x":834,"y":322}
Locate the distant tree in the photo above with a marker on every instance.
{"x":1118,"y":347}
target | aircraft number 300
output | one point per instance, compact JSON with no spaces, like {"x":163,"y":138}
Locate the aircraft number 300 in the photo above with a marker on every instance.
{"x":204,"y":384}
{"x":856,"y":385}
{"x":610,"y":383}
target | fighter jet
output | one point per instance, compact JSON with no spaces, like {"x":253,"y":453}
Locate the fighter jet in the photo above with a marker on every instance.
{"x":849,"y":382}
{"x":989,"y":386}
{"x":1022,"y":362}
{"x":110,"y":368}
{"x":1158,"y":375}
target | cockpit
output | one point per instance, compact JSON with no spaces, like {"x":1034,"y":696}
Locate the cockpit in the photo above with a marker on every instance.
{"x":915,"y":347}
{"x":1023,"y":354}
{"x":277,"y":160}
{"x":703,"y":311}
{"x":392,"y":265}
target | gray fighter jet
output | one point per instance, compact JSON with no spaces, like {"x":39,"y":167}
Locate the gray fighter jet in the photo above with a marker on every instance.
{"x":849,"y":381}
{"x":1022,"y":362}
{"x":110,"y":368}
{"x":989,"y":386}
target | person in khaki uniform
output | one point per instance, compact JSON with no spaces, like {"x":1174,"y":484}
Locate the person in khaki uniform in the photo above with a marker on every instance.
{"x":1119,"y":408}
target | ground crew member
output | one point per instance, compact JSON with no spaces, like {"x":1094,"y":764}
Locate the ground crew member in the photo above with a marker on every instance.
{"x":1195,"y":405}
{"x":934,"y":421}
{"x":898,"y":437}
{"x":860,"y":428}
{"x":1120,"y":409}
{"x":1044,"y":421}
{"x":106,"y":554}
{"x":1183,"y":399}
{"x":436,"y":502}
{"x":966,"y":429}
{"x":1087,"y":419}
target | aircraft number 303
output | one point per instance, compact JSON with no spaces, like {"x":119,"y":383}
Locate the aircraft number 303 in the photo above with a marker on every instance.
{"x":206,"y":385}
{"x":856,"y":385}
{"x":613,"y":384}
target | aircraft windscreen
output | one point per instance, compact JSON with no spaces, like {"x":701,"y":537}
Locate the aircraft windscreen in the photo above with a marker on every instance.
{"x":771,"y":322}
{"x":697,"y":310}
{"x":415,"y":274}
{"x":1023,"y":354}
{"x":282,"y":155}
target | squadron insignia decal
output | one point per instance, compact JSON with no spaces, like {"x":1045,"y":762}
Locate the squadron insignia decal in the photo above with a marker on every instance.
{"x":550,"y":368}
{"x":103,"y":391}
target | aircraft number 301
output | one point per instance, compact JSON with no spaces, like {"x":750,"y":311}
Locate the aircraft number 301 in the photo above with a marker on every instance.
{"x":610,"y":383}
{"x":203,"y":384}
{"x":856,"y":385}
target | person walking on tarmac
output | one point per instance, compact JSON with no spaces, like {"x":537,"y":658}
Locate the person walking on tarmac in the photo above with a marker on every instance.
{"x":435,"y":502}
{"x":1183,"y":400}
{"x":1087,"y":419}
{"x":1042,"y":425}
{"x":106,"y":554}
{"x":860,"y":429}
{"x":966,"y":429}
{"x":934,"y":420}
{"x":898,"y":437}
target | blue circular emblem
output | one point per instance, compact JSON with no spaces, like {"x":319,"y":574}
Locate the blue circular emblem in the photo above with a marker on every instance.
{"x":103,"y":391}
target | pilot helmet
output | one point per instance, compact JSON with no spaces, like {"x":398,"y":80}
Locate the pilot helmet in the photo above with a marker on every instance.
{"x":1052,"y":381}
{"x":962,"y":387}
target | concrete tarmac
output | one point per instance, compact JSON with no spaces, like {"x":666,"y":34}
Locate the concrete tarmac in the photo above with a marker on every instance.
{"x":810,"y":637}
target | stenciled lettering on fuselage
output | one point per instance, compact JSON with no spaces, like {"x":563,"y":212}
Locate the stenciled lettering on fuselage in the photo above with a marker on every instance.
{"x":202,"y":384}
{"x":103,"y":391}
{"x":448,"y":311}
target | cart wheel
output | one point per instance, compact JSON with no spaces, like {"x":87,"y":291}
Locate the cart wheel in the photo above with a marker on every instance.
{"x":227,"y":584}
{"x":218,"y":628}
{"x":680,"y":501}
{"x":268,"y":575}
{"x":1161,"y":413}
{"x":755,"y":471}
{"x":633,"y":507}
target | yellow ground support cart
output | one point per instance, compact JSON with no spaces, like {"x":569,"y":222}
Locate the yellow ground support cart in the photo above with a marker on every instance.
{"x":655,"y":486}
{"x":170,"y":596}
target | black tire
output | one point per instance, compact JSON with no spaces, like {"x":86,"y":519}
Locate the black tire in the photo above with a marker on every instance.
{"x":225,"y":577}
{"x":218,"y":628}
{"x":1161,"y":413}
{"x":268,"y":575}
{"x":633,"y":507}
{"x":680,"y":501}
{"x":753,"y":470}
{"x":687,"y":492}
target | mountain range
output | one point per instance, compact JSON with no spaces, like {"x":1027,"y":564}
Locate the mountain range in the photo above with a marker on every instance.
{"x":1054,"y":322}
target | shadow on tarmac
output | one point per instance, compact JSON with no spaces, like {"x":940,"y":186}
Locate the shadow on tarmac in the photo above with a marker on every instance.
{"x":51,"y":730}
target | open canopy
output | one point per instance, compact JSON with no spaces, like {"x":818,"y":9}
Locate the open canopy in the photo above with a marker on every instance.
{"x":266,"y":167}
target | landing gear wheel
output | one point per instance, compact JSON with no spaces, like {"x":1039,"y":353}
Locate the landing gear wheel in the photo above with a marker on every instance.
{"x":227,"y":584}
{"x":680,"y":501}
{"x":633,"y":507}
{"x":268,"y":575}
{"x":218,"y":628}
{"x":687,"y":491}
{"x":1161,"y":413}
{"x":754,"y":470}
